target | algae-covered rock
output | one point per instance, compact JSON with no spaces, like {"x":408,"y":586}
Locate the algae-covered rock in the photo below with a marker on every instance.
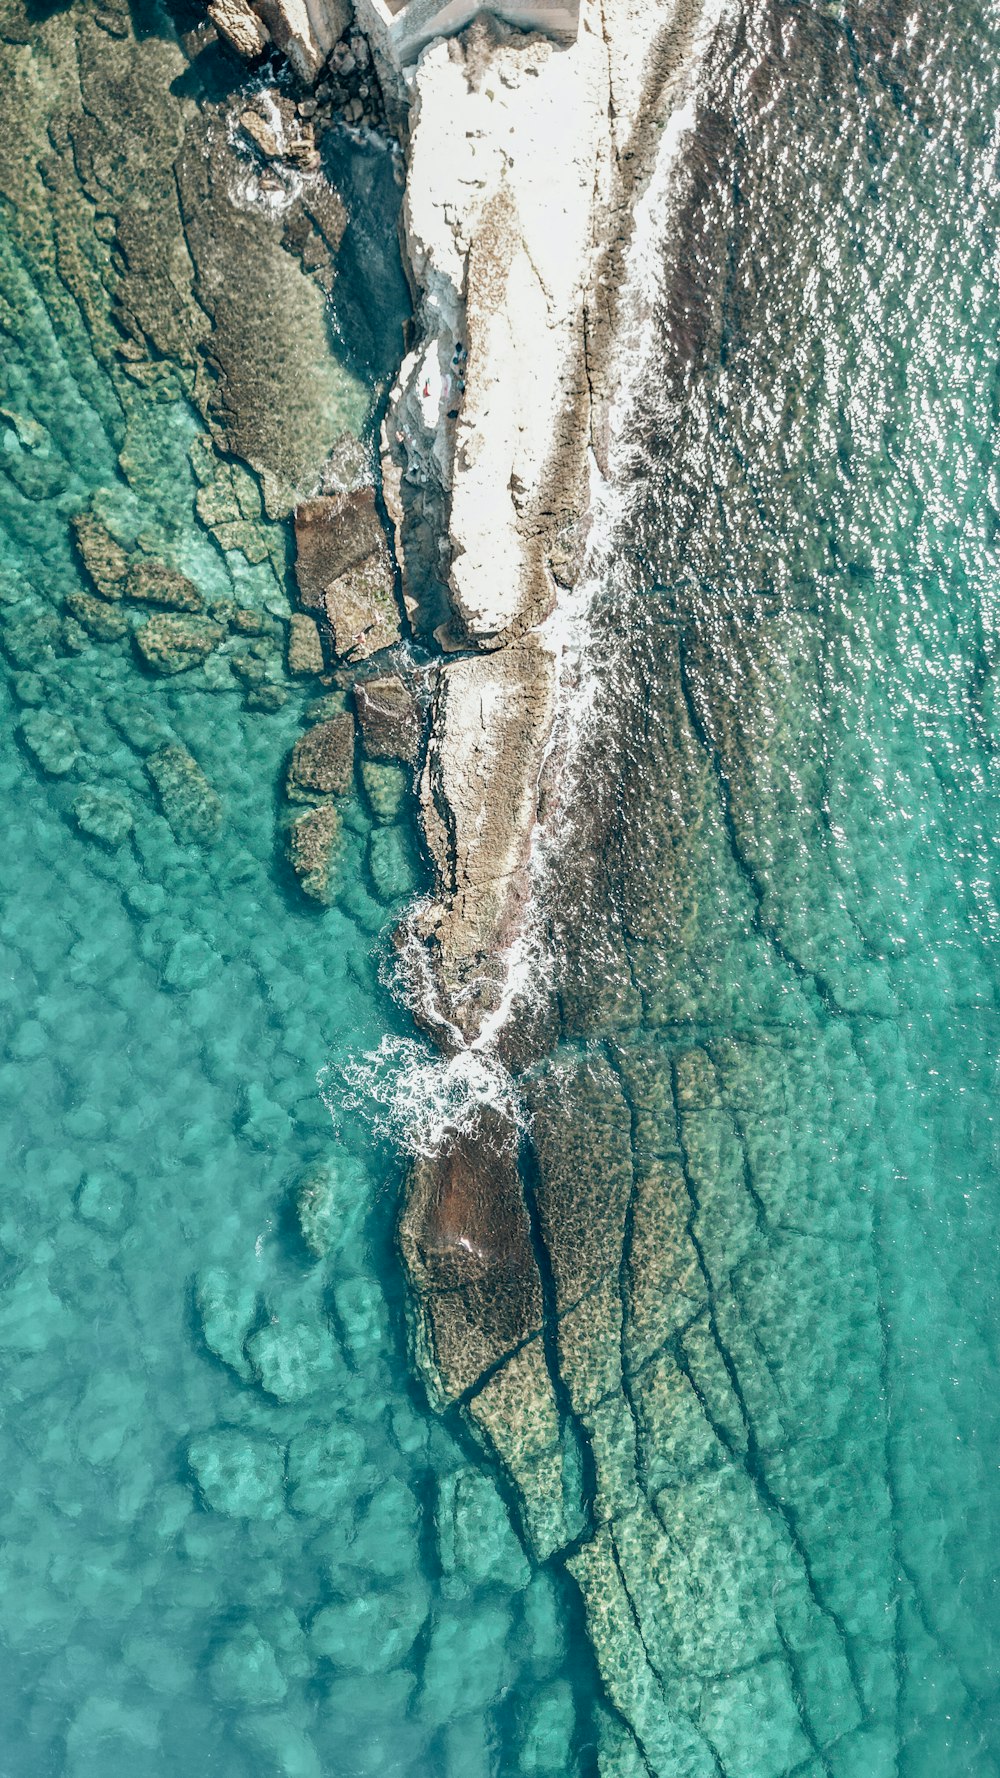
{"x":371,"y":1634}
{"x":171,"y":643}
{"x":51,"y":740}
{"x":106,"y":623}
{"x":187,"y":799}
{"x":238,"y":1475}
{"x":322,"y":762}
{"x":103,"y":558}
{"x":153,"y":583}
{"x":389,"y":718}
{"x":266,"y":698}
{"x":245,"y":1671}
{"x":310,"y":843}
{"x":305,"y":650}
{"x":227,"y":1309}
{"x":390,"y":856}
{"x":103,"y":815}
{"x":385,"y":787}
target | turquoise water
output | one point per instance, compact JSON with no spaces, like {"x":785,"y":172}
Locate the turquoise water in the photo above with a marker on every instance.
{"x":232,"y":1538}
{"x":788,"y":957}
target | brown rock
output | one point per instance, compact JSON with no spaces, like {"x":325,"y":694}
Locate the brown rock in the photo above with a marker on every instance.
{"x":361,"y":609}
{"x":305,"y":650}
{"x":333,"y":534}
{"x":170,"y":643}
{"x":104,"y":559}
{"x":237,"y":22}
{"x":309,"y":843}
{"x":153,"y":583}
{"x":389,"y":717}
{"x":465,"y":1238}
{"x":107,"y":623}
{"x":322,"y":762}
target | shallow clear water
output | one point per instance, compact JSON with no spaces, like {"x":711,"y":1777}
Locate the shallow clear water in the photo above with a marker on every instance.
{"x":232,"y":1538}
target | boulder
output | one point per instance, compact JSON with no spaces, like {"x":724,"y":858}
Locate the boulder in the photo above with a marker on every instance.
{"x":326,"y":1466}
{"x":361,"y":609}
{"x":153,"y":583}
{"x":103,"y":816}
{"x":305,"y":649}
{"x":51,"y":740}
{"x":310,"y":842}
{"x":104,"y":559}
{"x":333,"y":534}
{"x":385,"y":787}
{"x":172,"y":643}
{"x":389,"y":718}
{"x":237,"y":22}
{"x":322,"y":762}
{"x":187,"y":799}
{"x":106,"y":623}
{"x":305,"y":31}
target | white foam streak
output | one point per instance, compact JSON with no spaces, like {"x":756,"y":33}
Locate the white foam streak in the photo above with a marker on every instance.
{"x":422,"y":1098}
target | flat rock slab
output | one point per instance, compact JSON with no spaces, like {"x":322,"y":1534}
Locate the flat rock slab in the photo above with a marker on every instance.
{"x":333,"y":534}
{"x":389,"y":718}
{"x":322,"y":762}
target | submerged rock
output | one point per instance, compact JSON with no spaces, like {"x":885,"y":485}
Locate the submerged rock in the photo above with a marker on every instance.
{"x":386,"y":788}
{"x":305,"y":649}
{"x":153,"y":583}
{"x":51,"y":740}
{"x":172,"y":644}
{"x":103,"y":815}
{"x":241,"y":1476}
{"x":192,"y":807}
{"x":322,"y":762}
{"x":310,"y":843}
{"x":103,"y":558}
{"x":103,"y":621}
{"x":244,"y":1670}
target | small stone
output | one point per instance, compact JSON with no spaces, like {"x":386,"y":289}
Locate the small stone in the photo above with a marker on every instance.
{"x":310,"y":843}
{"x":187,"y":799}
{"x":153,"y":583}
{"x":51,"y":740}
{"x":104,"y":559}
{"x":322,"y":760}
{"x":105,"y":622}
{"x":389,"y":718}
{"x":103,"y":816}
{"x":353,"y":111}
{"x":172,"y":644}
{"x":305,"y":650}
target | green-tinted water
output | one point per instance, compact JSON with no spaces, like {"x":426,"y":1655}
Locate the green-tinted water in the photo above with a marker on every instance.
{"x":231,"y":1536}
